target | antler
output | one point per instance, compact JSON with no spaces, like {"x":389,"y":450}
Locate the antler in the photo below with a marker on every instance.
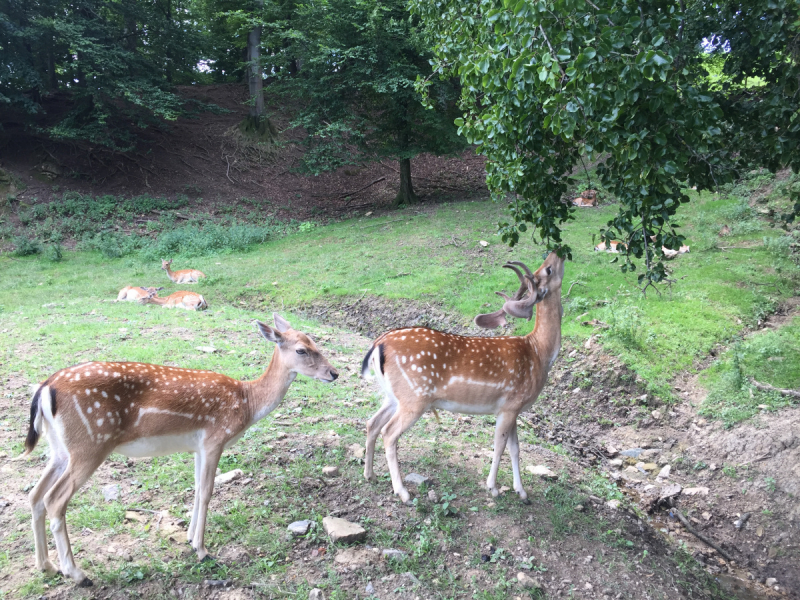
{"x":518,"y":305}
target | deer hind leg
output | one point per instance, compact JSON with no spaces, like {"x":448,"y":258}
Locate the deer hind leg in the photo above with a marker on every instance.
{"x":198,"y":465}
{"x":513,"y":450}
{"x":205,"y":487}
{"x":53,"y":470}
{"x":374,"y":427}
{"x":400,"y":422}
{"x":56,"y":500}
{"x":502,"y":432}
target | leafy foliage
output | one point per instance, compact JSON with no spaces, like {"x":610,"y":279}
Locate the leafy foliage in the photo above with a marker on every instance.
{"x":546,"y":81}
{"x":360,"y":59}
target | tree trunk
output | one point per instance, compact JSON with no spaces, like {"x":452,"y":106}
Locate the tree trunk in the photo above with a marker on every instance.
{"x":406,"y":194}
{"x":255,"y":72}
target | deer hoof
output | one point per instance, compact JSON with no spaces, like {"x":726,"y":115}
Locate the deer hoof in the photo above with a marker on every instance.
{"x":526,"y":501}
{"x":86,"y":582}
{"x":49,"y":568}
{"x":207,"y":558}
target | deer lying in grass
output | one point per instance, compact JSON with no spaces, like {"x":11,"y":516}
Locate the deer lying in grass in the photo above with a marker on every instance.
{"x":183,"y":276}
{"x":587,"y":198}
{"x":613,"y":246}
{"x":187,"y":300}
{"x":91,"y":410}
{"x":420,"y":369}
{"x":132,"y":293}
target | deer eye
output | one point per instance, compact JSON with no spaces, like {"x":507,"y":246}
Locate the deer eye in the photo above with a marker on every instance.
{"x":549,"y":271}
{"x":301,"y":351}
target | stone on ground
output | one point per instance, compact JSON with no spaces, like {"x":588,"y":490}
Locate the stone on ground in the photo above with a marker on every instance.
{"x":341,"y":530}
{"x":528,"y":582}
{"x":228,"y":477}
{"x":330,"y":471}
{"x":416,"y":479}
{"x":541,"y":471}
{"x":299,"y":527}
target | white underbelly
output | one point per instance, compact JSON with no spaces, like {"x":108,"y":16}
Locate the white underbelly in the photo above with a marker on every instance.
{"x":465,"y":408}
{"x":162,"y":445}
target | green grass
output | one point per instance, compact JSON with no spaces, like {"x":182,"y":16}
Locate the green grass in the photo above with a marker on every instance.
{"x":768,"y":357}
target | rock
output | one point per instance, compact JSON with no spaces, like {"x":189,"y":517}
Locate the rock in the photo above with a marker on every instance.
{"x":416,"y":479}
{"x":131,"y":515}
{"x":668,"y":491}
{"x":392,"y":554}
{"x":354,"y":556}
{"x":433,"y":496}
{"x":587,"y":586}
{"x":299,"y":527}
{"x":111,"y":492}
{"x":613,"y":504}
{"x":771,"y":581}
{"x":656,"y":414}
{"x":209,"y":349}
{"x":370,"y":589}
{"x":409,"y":575}
{"x":228,"y":477}
{"x":696,"y":491}
{"x":579,"y":507}
{"x":528,"y":582}
{"x":649,"y":466}
{"x":316,"y":594}
{"x":541,"y":470}
{"x":664,"y":472}
{"x":330,"y":471}
{"x":611,"y":451}
{"x":484,"y":243}
{"x":341,"y":530}
{"x":632,"y":452}
{"x":615,"y":462}
{"x":124,"y":555}
{"x":356,"y":451}
{"x":706,"y":515}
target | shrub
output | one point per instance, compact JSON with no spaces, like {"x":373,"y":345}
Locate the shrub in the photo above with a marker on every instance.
{"x":53,"y":252}
{"x":26,"y":246}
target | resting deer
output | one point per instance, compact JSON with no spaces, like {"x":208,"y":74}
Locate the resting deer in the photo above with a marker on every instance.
{"x":133,"y":293}
{"x":587,"y":198}
{"x":91,"y":410}
{"x":183,"y":276}
{"x":421,"y":369}
{"x":613,"y":246}
{"x":187,"y":300}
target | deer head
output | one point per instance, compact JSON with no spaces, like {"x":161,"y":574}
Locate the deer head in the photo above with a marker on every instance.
{"x":520,"y":305}
{"x":297,"y":351}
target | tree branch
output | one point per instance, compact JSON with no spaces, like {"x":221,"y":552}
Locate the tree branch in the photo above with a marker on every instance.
{"x":553,"y":54}
{"x":765,"y":387}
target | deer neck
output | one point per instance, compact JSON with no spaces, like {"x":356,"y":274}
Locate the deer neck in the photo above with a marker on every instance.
{"x":159,"y":301}
{"x":546,"y":334}
{"x":264,"y":394}
{"x":170,"y":274}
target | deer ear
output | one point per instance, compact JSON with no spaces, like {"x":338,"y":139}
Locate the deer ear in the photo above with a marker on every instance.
{"x":281,"y":324}
{"x":491,"y":320}
{"x":270,"y":334}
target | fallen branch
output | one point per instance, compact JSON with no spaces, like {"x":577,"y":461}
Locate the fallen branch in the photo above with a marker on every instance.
{"x":570,"y":287}
{"x":360,"y":299}
{"x":346,"y":194}
{"x":765,"y":387}
{"x":701,"y":537}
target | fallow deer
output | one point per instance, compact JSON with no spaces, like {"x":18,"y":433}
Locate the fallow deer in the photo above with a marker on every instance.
{"x":93,"y":409}
{"x":587,"y":198}
{"x":613,"y":246}
{"x":132,"y":293}
{"x":182,"y":276}
{"x":187,"y":300}
{"x":421,"y":369}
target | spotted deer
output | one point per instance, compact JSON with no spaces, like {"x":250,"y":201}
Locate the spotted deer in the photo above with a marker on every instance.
{"x":182,"y":276}
{"x":420,"y":369}
{"x":93,"y":409}
{"x":187,"y":300}
{"x":132,"y":293}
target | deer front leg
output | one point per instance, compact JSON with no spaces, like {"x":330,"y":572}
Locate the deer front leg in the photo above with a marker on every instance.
{"x":198,"y":465}
{"x":513,"y":450}
{"x":397,"y":425}
{"x":374,"y":426}
{"x":206,"y":488}
{"x":502,"y":432}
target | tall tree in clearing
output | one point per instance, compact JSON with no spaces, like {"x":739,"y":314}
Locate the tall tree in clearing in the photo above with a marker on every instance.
{"x":359,"y":61}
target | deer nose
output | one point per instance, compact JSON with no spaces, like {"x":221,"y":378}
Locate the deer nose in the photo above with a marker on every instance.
{"x":334,"y":374}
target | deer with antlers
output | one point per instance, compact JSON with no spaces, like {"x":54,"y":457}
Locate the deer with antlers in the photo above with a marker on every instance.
{"x":93,"y":409}
{"x":133,"y":293}
{"x":187,"y":300}
{"x":421,"y":369}
{"x":182,"y":276}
